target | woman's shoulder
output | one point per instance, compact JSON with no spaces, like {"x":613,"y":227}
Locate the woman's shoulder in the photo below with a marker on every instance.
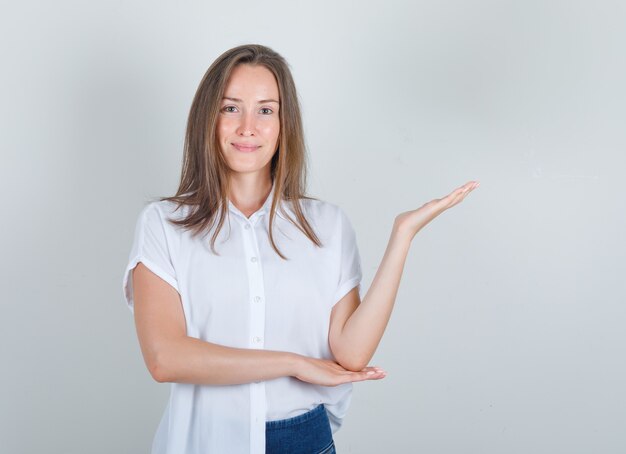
{"x":159,"y":211}
{"x":321,"y":210}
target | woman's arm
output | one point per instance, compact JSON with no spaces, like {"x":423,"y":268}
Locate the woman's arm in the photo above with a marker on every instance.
{"x":172,"y":356}
{"x":356,"y":328}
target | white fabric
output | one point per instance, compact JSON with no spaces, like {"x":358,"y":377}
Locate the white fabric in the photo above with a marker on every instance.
{"x":248,"y":297}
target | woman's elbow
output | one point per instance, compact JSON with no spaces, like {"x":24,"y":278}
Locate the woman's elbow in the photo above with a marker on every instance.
{"x":158,"y":373}
{"x":354,"y":365}
{"x":351,"y":362}
{"x":157,"y":366}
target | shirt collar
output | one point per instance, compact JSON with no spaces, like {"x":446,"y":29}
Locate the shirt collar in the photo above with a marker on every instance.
{"x":267,"y":205}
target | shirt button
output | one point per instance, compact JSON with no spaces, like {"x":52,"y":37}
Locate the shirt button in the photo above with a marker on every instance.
{"x":257,"y":339}
{"x":253,"y":259}
{"x":257,"y":298}
{"x":247,"y":226}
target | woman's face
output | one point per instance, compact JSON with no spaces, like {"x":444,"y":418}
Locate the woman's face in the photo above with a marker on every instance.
{"x":248,"y":124}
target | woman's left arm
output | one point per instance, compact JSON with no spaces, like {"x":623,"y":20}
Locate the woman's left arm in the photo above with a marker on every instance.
{"x":356,"y":328}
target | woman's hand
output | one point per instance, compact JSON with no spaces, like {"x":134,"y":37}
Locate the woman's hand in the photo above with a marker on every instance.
{"x":327,"y":372}
{"x":411,"y":222}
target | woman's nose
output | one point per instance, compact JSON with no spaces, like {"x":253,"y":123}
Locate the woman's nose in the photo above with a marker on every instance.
{"x":247,"y":125}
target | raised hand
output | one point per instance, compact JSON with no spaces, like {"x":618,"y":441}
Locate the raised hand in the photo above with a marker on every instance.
{"x":411,"y":222}
{"x":327,"y":372}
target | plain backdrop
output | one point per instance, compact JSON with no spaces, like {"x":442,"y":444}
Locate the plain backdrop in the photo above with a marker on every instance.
{"x":508,"y":332}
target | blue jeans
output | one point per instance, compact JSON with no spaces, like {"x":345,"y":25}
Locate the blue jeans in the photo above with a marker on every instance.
{"x":308,"y":433}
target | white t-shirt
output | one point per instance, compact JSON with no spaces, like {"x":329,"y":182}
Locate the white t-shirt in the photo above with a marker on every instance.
{"x":248,"y":297}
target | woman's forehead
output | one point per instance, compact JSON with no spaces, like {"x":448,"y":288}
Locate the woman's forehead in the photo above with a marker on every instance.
{"x":252,"y":82}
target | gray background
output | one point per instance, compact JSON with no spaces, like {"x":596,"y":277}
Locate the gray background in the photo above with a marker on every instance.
{"x":508,"y":333}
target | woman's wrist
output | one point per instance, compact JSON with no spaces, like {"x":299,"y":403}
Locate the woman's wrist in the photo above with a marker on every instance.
{"x":293,"y":363}
{"x":403,"y":232}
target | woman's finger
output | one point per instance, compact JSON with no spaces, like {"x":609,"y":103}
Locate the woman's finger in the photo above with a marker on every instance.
{"x":368,"y":368}
{"x":349,"y":376}
{"x":460,"y":192}
{"x":375,"y":375}
{"x":371,"y":374}
{"x":466,"y":188}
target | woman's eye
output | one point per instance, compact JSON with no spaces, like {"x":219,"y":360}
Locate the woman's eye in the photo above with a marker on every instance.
{"x":265,"y":110}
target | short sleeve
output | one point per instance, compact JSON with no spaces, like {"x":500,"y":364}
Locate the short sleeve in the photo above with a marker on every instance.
{"x":350,"y":273}
{"x":151,"y":247}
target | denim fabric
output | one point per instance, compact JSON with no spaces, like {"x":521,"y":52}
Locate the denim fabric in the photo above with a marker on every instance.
{"x":308,"y":433}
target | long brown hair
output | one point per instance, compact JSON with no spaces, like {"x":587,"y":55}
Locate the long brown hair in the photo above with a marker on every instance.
{"x":204,"y":175}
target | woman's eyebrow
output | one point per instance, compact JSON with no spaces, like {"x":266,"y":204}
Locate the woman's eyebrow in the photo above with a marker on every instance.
{"x":262,"y":101}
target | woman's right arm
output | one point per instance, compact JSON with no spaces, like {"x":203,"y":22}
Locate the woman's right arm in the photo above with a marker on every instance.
{"x":172,"y":356}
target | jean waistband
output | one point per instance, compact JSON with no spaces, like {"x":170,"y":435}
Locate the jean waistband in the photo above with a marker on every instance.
{"x":316,"y":412}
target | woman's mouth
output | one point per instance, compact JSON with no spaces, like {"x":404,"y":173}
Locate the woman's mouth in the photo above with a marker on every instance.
{"x":244,"y":147}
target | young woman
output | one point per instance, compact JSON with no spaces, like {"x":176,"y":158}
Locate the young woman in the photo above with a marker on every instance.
{"x":245,"y":291}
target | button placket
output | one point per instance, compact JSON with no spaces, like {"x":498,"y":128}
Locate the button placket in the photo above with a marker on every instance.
{"x":256,"y":334}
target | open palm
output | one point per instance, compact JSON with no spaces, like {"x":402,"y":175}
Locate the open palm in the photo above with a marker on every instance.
{"x":413,"y":221}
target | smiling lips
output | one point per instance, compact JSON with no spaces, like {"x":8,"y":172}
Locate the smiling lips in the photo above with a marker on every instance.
{"x":245,"y":147}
